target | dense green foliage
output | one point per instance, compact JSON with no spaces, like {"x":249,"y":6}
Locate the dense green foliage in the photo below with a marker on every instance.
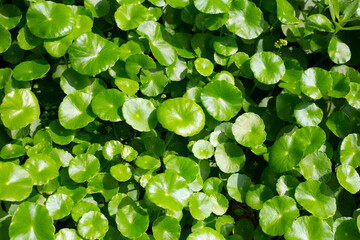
{"x":180,"y":119}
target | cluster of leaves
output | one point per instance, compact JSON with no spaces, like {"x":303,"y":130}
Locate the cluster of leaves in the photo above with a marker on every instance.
{"x":179,"y":119}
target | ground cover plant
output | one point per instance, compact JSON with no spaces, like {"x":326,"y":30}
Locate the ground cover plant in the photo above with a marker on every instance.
{"x":180,"y":119}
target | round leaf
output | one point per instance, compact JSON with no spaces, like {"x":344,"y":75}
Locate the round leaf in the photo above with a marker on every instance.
{"x":168,"y":190}
{"x":50,"y":20}
{"x":308,"y":114}
{"x":353,"y":97}
{"x":31,"y":221}
{"x":200,"y":206}
{"x":205,"y":233}
{"x":30,"y":70}
{"x":316,"y":82}
{"x":268,"y":68}
{"x":10,"y":16}
{"x":213,"y":6}
{"x":245,"y":19}
{"x":204,"y":66}
{"x":309,"y":227}
{"x":277,"y":215}
{"x":182,"y":116}
{"x":59,"y":205}
{"x":225,"y":46}
{"x":121,"y":172}
{"x":202,"y":149}
{"x":339,"y":124}
{"x":348,"y":178}
{"x":15,"y":183}
{"x":338,"y":51}
{"x":185,"y":167}
{"x":222,"y":100}
{"x":42,"y":168}
{"x":59,"y":134}
{"x":75,"y":111}
{"x":83,"y":167}
{"x":317,"y":198}
{"x":237,"y":186}
{"x":229,"y":157}
{"x":140,"y":114}
{"x":249,"y":130}
{"x":93,"y":225}
{"x":130,"y":16}
{"x":67,"y":233}
{"x":350,"y":150}
{"x":257,"y":195}
{"x":316,"y":166}
{"x":166,"y":228}
{"x":5,"y":37}
{"x":131,"y":220}
{"x":19,"y":108}
{"x":91,"y":54}
{"x":106,"y":105}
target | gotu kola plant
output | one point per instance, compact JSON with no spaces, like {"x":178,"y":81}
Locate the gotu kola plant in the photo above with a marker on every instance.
{"x":178,"y":119}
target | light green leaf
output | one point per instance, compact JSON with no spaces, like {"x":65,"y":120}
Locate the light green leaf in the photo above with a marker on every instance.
{"x":268,"y":68}
{"x":348,"y":178}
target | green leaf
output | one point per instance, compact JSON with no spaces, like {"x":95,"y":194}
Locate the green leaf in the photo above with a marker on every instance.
{"x":93,"y":225}
{"x":98,"y":8}
{"x":127,"y":86}
{"x":83,"y":206}
{"x":340,"y":85}
{"x":316,"y":166}
{"x":131,"y":220}
{"x":245,"y":19}
{"x":59,"y":205}
{"x":308,"y":114}
{"x":347,"y":229}
{"x":31,"y":70}
{"x":353,"y":97}
{"x":16,"y":184}
{"x":204,"y":66}
{"x":12,"y":151}
{"x":202,"y":149}
{"x":83,"y":167}
{"x":350,"y":150}
{"x":91,"y":54}
{"x":147,"y":162}
{"x":277,"y":215}
{"x":225,"y":46}
{"x":200,"y":206}
{"x":309,"y":227}
{"x":42,"y":168}
{"x":257,"y":195}
{"x":319,"y":22}
{"x":219,"y":202}
{"x":58,"y":48}
{"x":153,"y":82}
{"x":50,"y":20}
{"x":286,"y":12}
{"x":317,"y":198}
{"x":237,"y":186}
{"x":67,"y":233}
{"x":5,"y":76}
{"x":5,"y":37}
{"x":268,"y":68}
{"x":205,"y":233}
{"x":107,"y":105}
{"x":10,"y":16}
{"x":316,"y":82}
{"x":249,"y":130}
{"x":140,"y":114}
{"x":339,"y":124}
{"x":32,"y":221}
{"x":348,"y":178}
{"x":59,"y":134}
{"x":338,"y":51}
{"x":130,"y":16}
{"x":182,"y":116}
{"x":19,"y":108}
{"x":213,"y":6}
{"x":229,"y":157}
{"x":185,"y":167}
{"x":166,"y":228}
{"x":221,"y":99}
{"x":168,"y":190}
{"x":121,"y":172}
{"x":103,"y":183}
{"x":112,"y":149}
{"x":75,"y":111}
